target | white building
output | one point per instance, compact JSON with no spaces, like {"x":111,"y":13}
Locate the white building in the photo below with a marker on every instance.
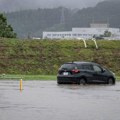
{"x":85,"y":33}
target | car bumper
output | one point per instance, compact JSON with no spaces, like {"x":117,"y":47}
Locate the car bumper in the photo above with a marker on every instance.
{"x":67,"y":79}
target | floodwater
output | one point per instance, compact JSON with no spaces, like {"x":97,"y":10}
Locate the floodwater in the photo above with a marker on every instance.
{"x":45,"y":100}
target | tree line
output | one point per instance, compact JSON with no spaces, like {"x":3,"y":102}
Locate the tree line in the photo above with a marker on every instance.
{"x":34,"y":22}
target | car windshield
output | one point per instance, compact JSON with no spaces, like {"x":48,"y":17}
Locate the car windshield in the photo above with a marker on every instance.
{"x":69,"y":66}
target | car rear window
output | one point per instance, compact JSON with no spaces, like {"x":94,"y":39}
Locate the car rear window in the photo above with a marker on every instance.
{"x":69,"y":66}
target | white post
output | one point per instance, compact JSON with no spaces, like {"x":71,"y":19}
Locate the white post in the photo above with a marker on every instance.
{"x":95,"y":43}
{"x":84,"y":43}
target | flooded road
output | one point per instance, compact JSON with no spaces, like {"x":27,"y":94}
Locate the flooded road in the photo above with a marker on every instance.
{"x":45,"y":100}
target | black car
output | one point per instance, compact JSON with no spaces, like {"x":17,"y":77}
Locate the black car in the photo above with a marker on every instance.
{"x":84,"y":72}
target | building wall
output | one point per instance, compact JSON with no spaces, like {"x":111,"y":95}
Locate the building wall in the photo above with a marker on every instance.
{"x":99,"y":25}
{"x":77,"y":33}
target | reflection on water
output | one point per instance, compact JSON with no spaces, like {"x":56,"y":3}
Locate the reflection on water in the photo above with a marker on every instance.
{"x":43,"y":100}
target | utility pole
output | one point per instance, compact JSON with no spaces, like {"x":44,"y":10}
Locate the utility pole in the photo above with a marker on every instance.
{"x":62,"y":19}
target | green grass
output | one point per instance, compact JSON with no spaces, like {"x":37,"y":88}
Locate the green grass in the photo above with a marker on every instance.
{"x":118,"y":77}
{"x":44,"y":57}
{"x":28,"y":77}
{"x":32,"y":77}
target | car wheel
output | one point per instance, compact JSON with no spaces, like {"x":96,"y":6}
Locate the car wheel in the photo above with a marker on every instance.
{"x":59,"y":82}
{"x":82,"y":81}
{"x":110,"y":81}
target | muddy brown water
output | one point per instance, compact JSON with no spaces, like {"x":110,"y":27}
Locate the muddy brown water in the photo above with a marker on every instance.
{"x":45,"y":100}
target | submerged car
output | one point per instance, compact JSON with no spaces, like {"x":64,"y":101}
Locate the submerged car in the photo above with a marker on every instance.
{"x":84,"y":73}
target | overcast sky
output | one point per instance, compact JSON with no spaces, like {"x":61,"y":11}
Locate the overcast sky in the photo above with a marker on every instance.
{"x":12,"y":5}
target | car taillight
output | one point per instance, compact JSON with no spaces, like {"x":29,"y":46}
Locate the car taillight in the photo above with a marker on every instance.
{"x":75,"y":71}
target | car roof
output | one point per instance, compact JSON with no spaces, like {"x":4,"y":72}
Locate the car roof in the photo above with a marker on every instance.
{"x":81,"y":62}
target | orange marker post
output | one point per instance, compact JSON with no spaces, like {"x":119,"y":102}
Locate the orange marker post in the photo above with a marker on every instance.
{"x":21,"y":85}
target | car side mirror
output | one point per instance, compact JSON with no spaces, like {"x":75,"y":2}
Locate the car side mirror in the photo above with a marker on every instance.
{"x":103,"y":70}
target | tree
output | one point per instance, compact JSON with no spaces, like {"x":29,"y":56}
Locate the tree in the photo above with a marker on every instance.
{"x":107,"y":34}
{"x":5,"y":29}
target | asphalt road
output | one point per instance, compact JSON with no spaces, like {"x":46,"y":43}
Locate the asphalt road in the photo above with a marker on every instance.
{"x":45,"y":100}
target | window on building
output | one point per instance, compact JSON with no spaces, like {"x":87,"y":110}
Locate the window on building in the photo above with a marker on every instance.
{"x":79,"y":34}
{"x":74,"y":34}
{"x":48,"y":34}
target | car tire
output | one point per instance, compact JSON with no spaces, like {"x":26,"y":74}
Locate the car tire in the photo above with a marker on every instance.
{"x":82,"y":81}
{"x":59,"y":82}
{"x":111,"y":81}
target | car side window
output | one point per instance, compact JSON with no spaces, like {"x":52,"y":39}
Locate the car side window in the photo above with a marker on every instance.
{"x":87,"y":67}
{"x":97,"y":68}
{"x":79,"y":66}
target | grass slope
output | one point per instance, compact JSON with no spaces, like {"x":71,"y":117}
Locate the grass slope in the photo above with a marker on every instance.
{"x":45,"y":56}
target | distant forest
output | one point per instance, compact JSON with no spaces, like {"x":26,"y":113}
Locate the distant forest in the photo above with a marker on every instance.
{"x":31,"y":23}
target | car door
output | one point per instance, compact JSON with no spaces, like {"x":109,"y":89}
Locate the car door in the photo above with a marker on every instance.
{"x":88,"y":72}
{"x":98,"y":74}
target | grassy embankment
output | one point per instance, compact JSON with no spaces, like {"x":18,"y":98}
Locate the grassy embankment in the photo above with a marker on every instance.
{"x":37,"y":59}
{"x":32,"y":77}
